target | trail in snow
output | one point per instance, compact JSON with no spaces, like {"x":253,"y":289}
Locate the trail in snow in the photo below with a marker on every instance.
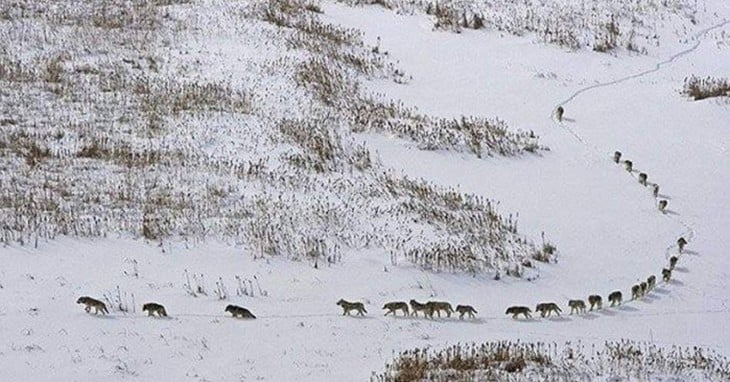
{"x":478,"y":320}
{"x":698,"y":36}
{"x":481,"y":320}
{"x":401,"y":45}
{"x":656,"y":68}
{"x":690,"y":232}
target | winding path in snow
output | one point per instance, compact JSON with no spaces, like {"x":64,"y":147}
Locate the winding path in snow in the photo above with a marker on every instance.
{"x":698,"y":36}
{"x":411,"y":36}
{"x":690,"y":232}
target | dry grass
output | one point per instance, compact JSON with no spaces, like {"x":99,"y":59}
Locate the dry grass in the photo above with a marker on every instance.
{"x":110,"y":131}
{"x":516,"y":361}
{"x":479,"y":136}
{"x":708,"y":87}
{"x":598,"y":25}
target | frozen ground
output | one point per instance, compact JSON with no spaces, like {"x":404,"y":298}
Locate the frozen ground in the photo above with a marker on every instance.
{"x":608,"y":230}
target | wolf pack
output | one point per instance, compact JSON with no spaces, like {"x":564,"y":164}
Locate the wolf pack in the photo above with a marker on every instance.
{"x":546,"y":309}
{"x":431,"y":308}
{"x":595,"y":301}
{"x":153,"y":308}
{"x":428,"y":309}
{"x":411,"y":309}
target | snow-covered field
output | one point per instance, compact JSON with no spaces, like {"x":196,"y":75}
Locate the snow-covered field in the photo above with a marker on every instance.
{"x":606,"y":226}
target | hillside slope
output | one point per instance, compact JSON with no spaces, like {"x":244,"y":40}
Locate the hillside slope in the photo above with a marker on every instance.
{"x":608,"y":230}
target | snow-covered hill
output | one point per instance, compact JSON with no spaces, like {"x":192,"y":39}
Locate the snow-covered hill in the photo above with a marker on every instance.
{"x":235,"y":146}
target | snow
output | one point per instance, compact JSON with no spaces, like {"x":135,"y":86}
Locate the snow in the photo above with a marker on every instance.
{"x":606,"y":226}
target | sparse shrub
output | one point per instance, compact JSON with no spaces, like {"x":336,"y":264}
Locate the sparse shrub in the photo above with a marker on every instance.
{"x":516,"y":361}
{"x":573,"y":25}
{"x":287,"y":13}
{"x":54,"y":70}
{"x":476,"y":233}
{"x":547,"y":252}
{"x":607,"y":38}
{"x":447,"y":17}
{"x":14,"y":71}
{"x":221,"y":292}
{"x":244,"y":289}
{"x":321,"y":143}
{"x":120,"y":301}
{"x":149,"y":143}
{"x":165,"y":98}
{"x":480,"y":136}
{"x":93,"y":150}
{"x":313,"y":8}
{"x":360,"y":158}
{"x":327,"y":81}
{"x":35,"y":154}
{"x":477,"y":22}
{"x":114,"y":14}
{"x":702,"y":88}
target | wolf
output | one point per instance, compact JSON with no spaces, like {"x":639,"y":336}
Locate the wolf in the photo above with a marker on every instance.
{"x":629,"y":165}
{"x":615,"y":297}
{"x":643,"y":178}
{"x":466,"y":309}
{"x":595,"y":300}
{"x":559,"y":113}
{"x":438,"y":306}
{"x":547,"y":308}
{"x":92,"y":303}
{"x":635,"y":292}
{"x":681,"y":242}
{"x":644,"y":288}
{"x":395,"y":306}
{"x":578,"y":306}
{"x":651,"y":282}
{"x":662,"y":205}
{"x":418,"y":307}
{"x":673,"y":262}
{"x":153,"y":307}
{"x":617,"y":157}
{"x":666,"y":274}
{"x":517,"y":310}
{"x":655,"y":190}
{"x":238,"y":311}
{"x":348,"y":306}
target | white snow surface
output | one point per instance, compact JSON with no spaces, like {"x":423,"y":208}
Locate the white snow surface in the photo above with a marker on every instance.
{"x":608,"y":230}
